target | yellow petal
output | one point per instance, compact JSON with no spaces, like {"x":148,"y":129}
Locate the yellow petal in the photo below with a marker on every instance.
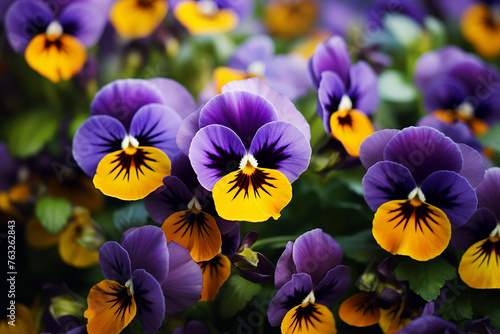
{"x":480,"y":29}
{"x":310,"y":318}
{"x":57,"y":59}
{"x":79,"y":190}
{"x":360,"y":310}
{"x":290,"y":18}
{"x":197,"y":232}
{"x":390,"y":318}
{"x":252,"y":194}
{"x":111,"y":308}
{"x":215,"y":272}
{"x":351,"y":127}
{"x":198,"y":23}
{"x":480,"y":265}
{"x":23,"y":320}
{"x":137,"y":18}
{"x":406,"y":227}
{"x":38,"y":237}
{"x":223,"y":75}
{"x":132,"y":176}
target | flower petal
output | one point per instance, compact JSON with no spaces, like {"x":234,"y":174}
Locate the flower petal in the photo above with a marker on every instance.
{"x":444,"y":93}
{"x":333,"y":285}
{"x":175,"y":96}
{"x":170,"y":198}
{"x":111,"y":308}
{"x":351,"y":128}
{"x":330,"y":55}
{"x":242,"y":112}
{"x":451,"y":193}
{"x":187,"y":131}
{"x":215,"y":272}
{"x":83,"y":21}
{"x":256,"y":48}
{"x":288,"y":296}
{"x":432,"y":324}
{"x":360,"y":310}
{"x":418,"y":230}
{"x":285,"y":267}
{"x":192,"y":327}
{"x":215,"y":151}
{"x":149,"y":299}
{"x":222,"y":75}
{"x":147,"y":248}
{"x":315,"y":253}
{"x":198,"y":23}
{"x":288,"y":74}
{"x":231,"y":241}
{"x":156,"y":125}
{"x":136,"y":19}
{"x":182,"y":288}
{"x":24,"y":20}
{"x":252,"y":194}
{"x":284,"y":107}
{"x":72,"y":251}
{"x":56,"y":59}
{"x":132,"y":176}
{"x":94,"y":139}
{"x":372,"y":148}
{"x":478,"y":227}
{"x":309,"y":318}
{"x":423,"y":150}
{"x":363,"y":88}
{"x":281,"y":146}
{"x":488,"y":191}
{"x":122,"y":98}
{"x":386,"y":181}
{"x":330,"y":92}
{"x":115,"y":262}
{"x":480,"y":265}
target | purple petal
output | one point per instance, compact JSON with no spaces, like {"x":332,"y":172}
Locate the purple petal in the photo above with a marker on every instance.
{"x":115,"y":262}
{"x":182,"y":169}
{"x":156,"y":125}
{"x":78,"y":330}
{"x":290,"y":295}
{"x":147,"y":248}
{"x":372,"y":148}
{"x":423,"y":150}
{"x":378,"y":13}
{"x":230,"y":241}
{"x":187,"y":131}
{"x":95,"y":138}
{"x":257,"y":48}
{"x":333,"y":285}
{"x":122,"y":98}
{"x":175,"y":96}
{"x":225,"y":226}
{"x":475,"y":76}
{"x":363,"y":88}
{"x":288,"y":74}
{"x":215,"y":151}
{"x":192,"y":327}
{"x":284,"y":107}
{"x":477,"y":228}
{"x":149,"y":299}
{"x":315,"y":253}
{"x":451,"y":193}
{"x":330,"y":55}
{"x":283,"y":147}
{"x":127,"y":232}
{"x":84,"y":21}
{"x":430,"y":325}
{"x":428,"y":309}
{"x":182,"y":288}
{"x":444,"y":93}
{"x":24,"y":20}
{"x":242,"y":112}
{"x":488,"y":191}
{"x":248,"y":240}
{"x":473,"y":168}
{"x":285,"y":267}
{"x":170,"y":198}
{"x":386,"y":181}
{"x":330,"y":92}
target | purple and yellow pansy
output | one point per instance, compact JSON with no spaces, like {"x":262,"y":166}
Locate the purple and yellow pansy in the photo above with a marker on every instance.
{"x":420,"y":185}
{"x":137,"y":18}
{"x":480,"y":25}
{"x":127,"y":142}
{"x":247,"y":145}
{"x":347,"y":95}
{"x":55,"y":44}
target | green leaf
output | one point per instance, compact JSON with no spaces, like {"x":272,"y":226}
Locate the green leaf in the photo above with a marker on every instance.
{"x":456,"y":308}
{"x":131,"y":215}
{"x":30,"y":132}
{"x":53,"y":213}
{"x":492,"y":138}
{"x":426,"y":278}
{"x":360,"y":247}
{"x":494,"y":314}
{"x":394,"y":88}
{"x":237,"y":293}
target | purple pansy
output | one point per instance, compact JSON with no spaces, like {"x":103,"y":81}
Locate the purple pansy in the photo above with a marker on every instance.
{"x":309,"y":278}
{"x":192,"y":327}
{"x":419,"y":183}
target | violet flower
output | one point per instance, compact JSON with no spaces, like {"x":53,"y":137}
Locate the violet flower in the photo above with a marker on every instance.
{"x":192,"y":327}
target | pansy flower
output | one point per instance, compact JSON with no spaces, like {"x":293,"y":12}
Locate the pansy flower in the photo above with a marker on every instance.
{"x":480,"y":236}
{"x":187,"y":212}
{"x":144,"y":278}
{"x":24,"y":321}
{"x":459,"y":87}
{"x":217,"y":270}
{"x":347,"y":95}
{"x":309,"y":278}
{"x":290,"y":18}
{"x":255,"y":59}
{"x":480,"y":25}
{"x":192,"y":327}
{"x":54,"y":44}
{"x":247,"y":145}
{"x":252,"y":265}
{"x":419,"y":184}
{"x":137,"y":18}
{"x":201,"y":17}
{"x":127,"y":143}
